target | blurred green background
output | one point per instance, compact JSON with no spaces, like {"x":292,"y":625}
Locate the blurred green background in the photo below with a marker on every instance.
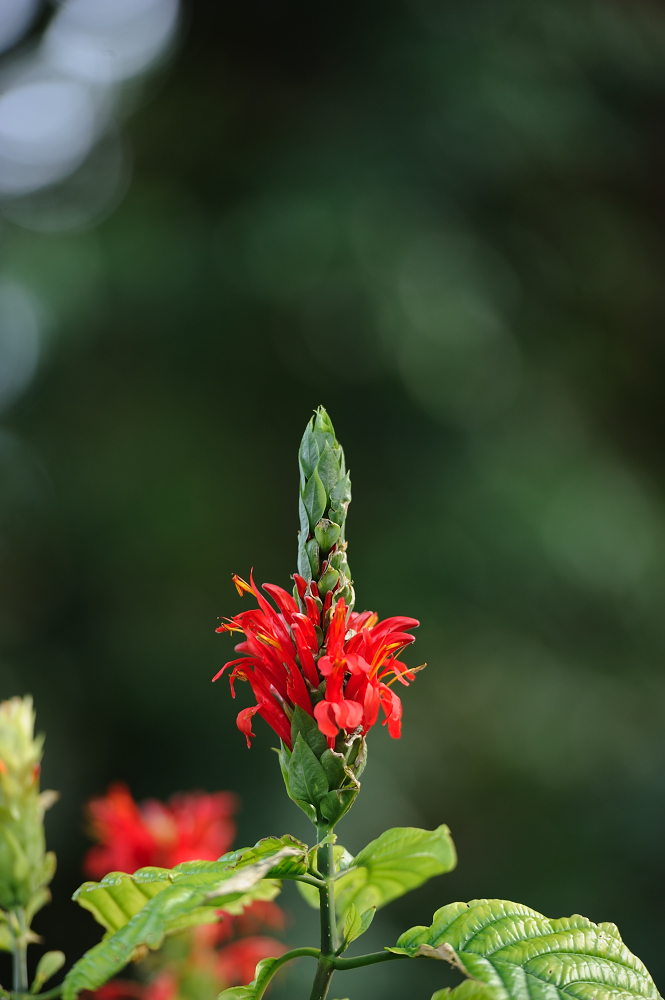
{"x":444,"y":221}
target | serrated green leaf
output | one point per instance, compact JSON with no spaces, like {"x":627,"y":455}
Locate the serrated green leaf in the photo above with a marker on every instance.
{"x":285,"y":863}
{"x":510,"y":952}
{"x":398,"y":861}
{"x":470,"y":989}
{"x":307,"y":779}
{"x":50,"y":963}
{"x":314,"y":498}
{"x":328,"y":469}
{"x":187,"y":895}
{"x":115,"y":900}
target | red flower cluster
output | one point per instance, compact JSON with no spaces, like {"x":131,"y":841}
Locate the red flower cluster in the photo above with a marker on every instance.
{"x":193,"y":826}
{"x":217,"y":956}
{"x":286,"y":656}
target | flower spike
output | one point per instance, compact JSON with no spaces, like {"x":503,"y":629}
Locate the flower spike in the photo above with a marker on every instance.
{"x":321,"y":674}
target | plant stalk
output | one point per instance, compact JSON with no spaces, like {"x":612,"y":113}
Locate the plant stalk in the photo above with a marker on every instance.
{"x":278,"y":963}
{"x":326,"y":964}
{"x":20,"y":952}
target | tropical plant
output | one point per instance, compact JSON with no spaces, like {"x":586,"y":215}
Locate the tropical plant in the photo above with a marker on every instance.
{"x":321,"y":675}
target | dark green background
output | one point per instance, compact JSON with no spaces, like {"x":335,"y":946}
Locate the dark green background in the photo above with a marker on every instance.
{"x":444,"y":221}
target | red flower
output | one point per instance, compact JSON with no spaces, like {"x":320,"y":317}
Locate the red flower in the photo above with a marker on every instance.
{"x":193,"y":826}
{"x":236,"y":963}
{"x":285,"y":659}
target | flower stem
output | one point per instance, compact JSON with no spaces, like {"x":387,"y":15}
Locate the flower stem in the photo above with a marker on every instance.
{"x":326,"y":964}
{"x":279,"y":962}
{"x":20,"y":951}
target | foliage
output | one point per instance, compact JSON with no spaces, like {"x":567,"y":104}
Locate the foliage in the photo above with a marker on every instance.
{"x":320,"y":672}
{"x":508,"y":950}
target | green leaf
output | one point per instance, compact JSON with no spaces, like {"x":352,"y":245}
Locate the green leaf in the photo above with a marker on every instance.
{"x":312,"y":550}
{"x":189,"y":894}
{"x":338,"y":802}
{"x":510,"y":952}
{"x":332,"y":763}
{"x":303,"y":723}
{"x":115,"y":900}
{"x":304,"y":567}
{"x":398,"y":861}
{"x":328,"y":469}
{"x":308,"y":892}
{"x":304,"y":519}
{"x":38,"y":899}
{"x":307,"y":779}
{"x":50,"y":963}
{"x":324,"y":432}
{"x":366,"y":919}
{"x":340,"y":494}
{"x":352,"y":925}
{"x":309,"y":453}
{"x":256,"y":988}
{"x":314,"y":498}
{"x":470,"y":989}
{"x":7,"y":939}
{"x":355,"y":924}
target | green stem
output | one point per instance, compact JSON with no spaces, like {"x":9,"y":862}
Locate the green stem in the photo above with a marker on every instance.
{"x":277,"y":964}
{"x":20,"y":952}
{"x":48,"y":995}
{"x":372,"y":959}
{"x":326,"y":966}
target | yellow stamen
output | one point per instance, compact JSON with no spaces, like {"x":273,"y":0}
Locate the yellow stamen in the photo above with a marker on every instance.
{"x":407,"y":670}
{"x":267,"y":638}
{"x":241,"y":585}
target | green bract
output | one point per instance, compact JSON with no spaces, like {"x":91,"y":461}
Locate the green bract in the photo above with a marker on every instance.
{"x":325,"y":494}
{"x":25,"y":868}
{"x":323,"y":782}
{"x":511,"y":952}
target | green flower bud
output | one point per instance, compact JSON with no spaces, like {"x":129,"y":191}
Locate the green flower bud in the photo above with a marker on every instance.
{"x":328,"y":581}
{"x":24,"y":865}
{"x":325,"y":494}
{"x":327,"y":535}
